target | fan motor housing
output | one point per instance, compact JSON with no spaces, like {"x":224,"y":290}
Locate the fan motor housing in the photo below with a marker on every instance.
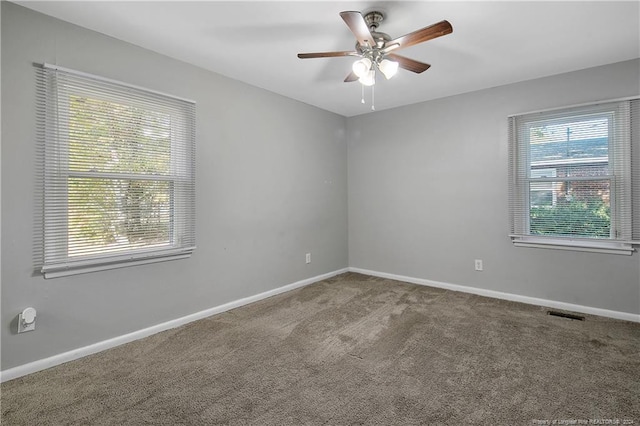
{"x":380,"y":39}
{"x":373,"y":19}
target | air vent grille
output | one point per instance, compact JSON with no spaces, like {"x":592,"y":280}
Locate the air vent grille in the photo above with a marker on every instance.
{"x":565,"y":315}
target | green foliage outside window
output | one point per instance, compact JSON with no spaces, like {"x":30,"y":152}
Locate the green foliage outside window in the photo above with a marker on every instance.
{"x":106,"y":212}
{"x":578,"y":218}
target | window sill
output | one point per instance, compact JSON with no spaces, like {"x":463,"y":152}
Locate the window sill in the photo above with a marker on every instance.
{"x":608,"y":247}
{"x":64,"y":270}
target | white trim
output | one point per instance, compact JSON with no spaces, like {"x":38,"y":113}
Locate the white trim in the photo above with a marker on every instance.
{"x":42,"y":364}
{"x":109,"y":80}
{"x":628,"y":251}
{"x":63,"y":271}
{"x":115,"y":260}
{"x":626,"y":316}
{"x":581,"y":244}
{"x":586,"y":104}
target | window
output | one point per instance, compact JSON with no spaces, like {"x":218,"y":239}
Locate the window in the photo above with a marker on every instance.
{"x":117,"y":169}
{"x":573,"y":178}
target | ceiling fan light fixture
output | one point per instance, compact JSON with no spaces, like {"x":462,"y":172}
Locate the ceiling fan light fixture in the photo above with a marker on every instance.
{"x":388,"y":68}
{"x":369,"y":79}
{"x":373,"y":47}
{"x":361,"y":67}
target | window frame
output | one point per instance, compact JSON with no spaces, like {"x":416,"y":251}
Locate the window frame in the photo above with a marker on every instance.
{"x":57,"y":173}
{"x":619,"y":176}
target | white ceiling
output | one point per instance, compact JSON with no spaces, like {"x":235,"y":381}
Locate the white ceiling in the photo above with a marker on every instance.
{"x":493,"y":43}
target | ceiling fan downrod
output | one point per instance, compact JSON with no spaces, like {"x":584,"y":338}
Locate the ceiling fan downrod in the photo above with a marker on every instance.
{"x":373,"y":19}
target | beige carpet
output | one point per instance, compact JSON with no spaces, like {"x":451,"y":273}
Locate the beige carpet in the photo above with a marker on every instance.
{"x":351,"y":350}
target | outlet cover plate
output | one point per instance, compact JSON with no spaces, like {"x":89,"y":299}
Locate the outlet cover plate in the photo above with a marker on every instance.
{"x":22,"y":327}
{"x":478,"y":264}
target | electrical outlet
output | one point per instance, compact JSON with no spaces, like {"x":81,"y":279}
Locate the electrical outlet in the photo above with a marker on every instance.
{"x":478,"y":264}
{"x":308,"y":259}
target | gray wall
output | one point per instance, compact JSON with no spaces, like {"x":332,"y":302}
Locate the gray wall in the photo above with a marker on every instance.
{"x":271,"y":186}
{"x":428,"y":194}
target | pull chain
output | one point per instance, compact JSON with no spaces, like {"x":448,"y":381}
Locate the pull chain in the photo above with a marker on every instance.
{"x":373,"y":98}
{"x":373,"y":94}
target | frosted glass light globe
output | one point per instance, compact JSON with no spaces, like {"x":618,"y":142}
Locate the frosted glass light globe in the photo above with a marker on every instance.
{"x":361,"y":67}
{"x":369,"y":79}
{"x":388,"y":68}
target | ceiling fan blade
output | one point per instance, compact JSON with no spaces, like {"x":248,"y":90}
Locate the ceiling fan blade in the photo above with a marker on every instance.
{"x":351,"y":77}
{"x":326,"y":54}
{"x":358,"y":27}
{"x":419,"y":36}
{"x":409,"y":64}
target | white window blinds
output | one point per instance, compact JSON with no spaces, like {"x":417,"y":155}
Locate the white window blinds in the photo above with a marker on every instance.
{"x":574,"y":177}
{"x":117,"y":168}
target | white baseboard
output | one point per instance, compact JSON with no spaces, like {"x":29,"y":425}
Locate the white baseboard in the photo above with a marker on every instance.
{"x":32,"y":367}
{"x":505,"y":296}
{"x":42,"y":364}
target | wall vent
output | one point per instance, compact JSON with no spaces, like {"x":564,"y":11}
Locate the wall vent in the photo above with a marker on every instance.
{"x":565,"y":315}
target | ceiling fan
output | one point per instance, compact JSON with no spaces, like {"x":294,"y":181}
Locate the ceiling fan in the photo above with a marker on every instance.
{"x":376,"y":49}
